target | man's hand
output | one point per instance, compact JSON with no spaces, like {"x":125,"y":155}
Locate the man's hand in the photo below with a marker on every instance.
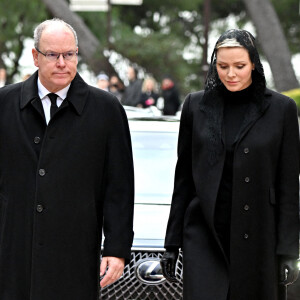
{"x":113,"y":268}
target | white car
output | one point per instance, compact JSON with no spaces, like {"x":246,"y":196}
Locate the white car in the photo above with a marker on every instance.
{"x":154,"y":143}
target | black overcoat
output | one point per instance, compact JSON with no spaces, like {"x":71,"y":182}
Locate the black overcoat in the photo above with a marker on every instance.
{"x":265,"y":198}
{"x":59,"y":186}
{"x":171,"y":101}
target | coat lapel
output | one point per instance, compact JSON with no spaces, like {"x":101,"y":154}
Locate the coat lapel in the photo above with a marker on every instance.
{"x":253,"y":113}
{"x":78,"y":94}
{"x":212,"y":104}
{"x":37,"y":104}
{"x":29,"y":95}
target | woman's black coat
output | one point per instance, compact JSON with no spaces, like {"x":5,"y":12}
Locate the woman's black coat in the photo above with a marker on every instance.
{"x":265,"y":198}
{"x":58,"y":185}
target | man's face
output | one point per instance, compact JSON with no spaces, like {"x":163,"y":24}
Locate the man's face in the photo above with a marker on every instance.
{"x":56,"y":75}
{"x":103,"y":84}
{"x":131,"y":73}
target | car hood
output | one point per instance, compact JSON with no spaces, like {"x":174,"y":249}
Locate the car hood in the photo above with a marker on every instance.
{"x":150,"y":223}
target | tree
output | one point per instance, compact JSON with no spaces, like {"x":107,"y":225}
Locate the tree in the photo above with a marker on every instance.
{"x":188,"y":27}
{"x":170,"y":33}
{"x":17,"y":20}
{"x":288,"y":14}
{"x":89,"y":46}
{"x":163,"y":37}
{"x":273,"y":43}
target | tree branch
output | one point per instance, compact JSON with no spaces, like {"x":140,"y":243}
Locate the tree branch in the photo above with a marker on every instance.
{"x":273,"y":43}
{"x":89,"y":46}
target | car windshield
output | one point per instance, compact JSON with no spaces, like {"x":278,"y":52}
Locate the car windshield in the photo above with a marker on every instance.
{"x":154,"y":165}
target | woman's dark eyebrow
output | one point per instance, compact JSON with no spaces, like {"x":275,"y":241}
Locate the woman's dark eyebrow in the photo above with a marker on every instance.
{"x":238,"y":62}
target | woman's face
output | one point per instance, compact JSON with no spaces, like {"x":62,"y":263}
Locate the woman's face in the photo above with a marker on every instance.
{"x":234,"y":68}
{"x":149,"y":85}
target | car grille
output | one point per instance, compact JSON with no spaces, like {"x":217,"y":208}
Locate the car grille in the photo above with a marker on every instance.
{"x":128,"y":287}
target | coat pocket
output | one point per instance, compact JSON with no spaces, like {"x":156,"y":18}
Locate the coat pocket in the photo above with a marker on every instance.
{"x":3,"y":205}
{"x":272,"y":196}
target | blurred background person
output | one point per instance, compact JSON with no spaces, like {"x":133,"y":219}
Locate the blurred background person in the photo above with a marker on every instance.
{"x":103,"y":81}
{"x":171,"y":96}
{"x":116,"y":87}
{"x":132,"y":94}
{"x":26,"y":76}
{"x":149,"y":93}
{"x":3,"y":77}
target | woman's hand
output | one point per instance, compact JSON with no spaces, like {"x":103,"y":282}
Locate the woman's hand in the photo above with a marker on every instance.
{"x":168,"y":264}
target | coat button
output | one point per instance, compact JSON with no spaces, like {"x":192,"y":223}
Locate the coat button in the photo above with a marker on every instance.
{"x":247,"y":179}
{"x":246,"y":207}
{"x":39,"y":208}
{"x":42,"y":172}
{"x":246,"y":236}
{"x":246,"y":150}
{"x":37,"y":140}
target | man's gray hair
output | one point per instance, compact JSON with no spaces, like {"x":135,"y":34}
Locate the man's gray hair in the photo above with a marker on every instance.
{"x":42,"y":26}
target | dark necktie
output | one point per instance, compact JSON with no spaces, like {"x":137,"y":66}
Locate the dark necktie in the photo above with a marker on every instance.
{"x":53,"y":107}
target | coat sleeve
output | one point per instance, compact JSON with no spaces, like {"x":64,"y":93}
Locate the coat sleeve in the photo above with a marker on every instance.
{"x":183,"y":184}
{"x":119,"y":187}
{"x":288,"y":185}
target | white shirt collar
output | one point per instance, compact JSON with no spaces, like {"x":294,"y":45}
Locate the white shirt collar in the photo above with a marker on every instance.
{"x":43,"y":92}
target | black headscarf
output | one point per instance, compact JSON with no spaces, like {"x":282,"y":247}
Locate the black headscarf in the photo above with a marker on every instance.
{"x":213,"y":103}
{"x":241,"y":38}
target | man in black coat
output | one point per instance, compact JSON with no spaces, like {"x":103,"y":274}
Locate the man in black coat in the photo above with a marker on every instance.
{"x":171,"y":97}
{"x":132,"y":94}
{"x":66,"y":174}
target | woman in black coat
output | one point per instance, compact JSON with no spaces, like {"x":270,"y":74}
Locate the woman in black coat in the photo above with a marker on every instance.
{"x":149,"y":93}
{"x":235,"y":203}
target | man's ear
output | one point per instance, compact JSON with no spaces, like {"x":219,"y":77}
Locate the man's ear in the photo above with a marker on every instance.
{"x":35,"y":57}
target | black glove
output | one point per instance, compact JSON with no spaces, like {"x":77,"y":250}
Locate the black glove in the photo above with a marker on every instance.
{"x":288,"y":270}
{"x":168,"y":265}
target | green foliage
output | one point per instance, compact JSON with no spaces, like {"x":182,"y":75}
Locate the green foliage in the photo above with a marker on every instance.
{"x":154,"y":35}
{"x":288,"y":13}
{"x":295,"y":95}
{"x":160,"y":60}
{"x":97,"y":23}
{"x":166,"y":30}
{"x":167,"y":22}
{"x":17,"y":21}
{"x":222,"y":9}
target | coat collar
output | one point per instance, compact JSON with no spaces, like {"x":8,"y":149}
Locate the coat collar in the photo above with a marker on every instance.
{"x":29,"y":91}
{"x":77,"y":94}
{"x":254,"y":112}
{"x":212,"y":105}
